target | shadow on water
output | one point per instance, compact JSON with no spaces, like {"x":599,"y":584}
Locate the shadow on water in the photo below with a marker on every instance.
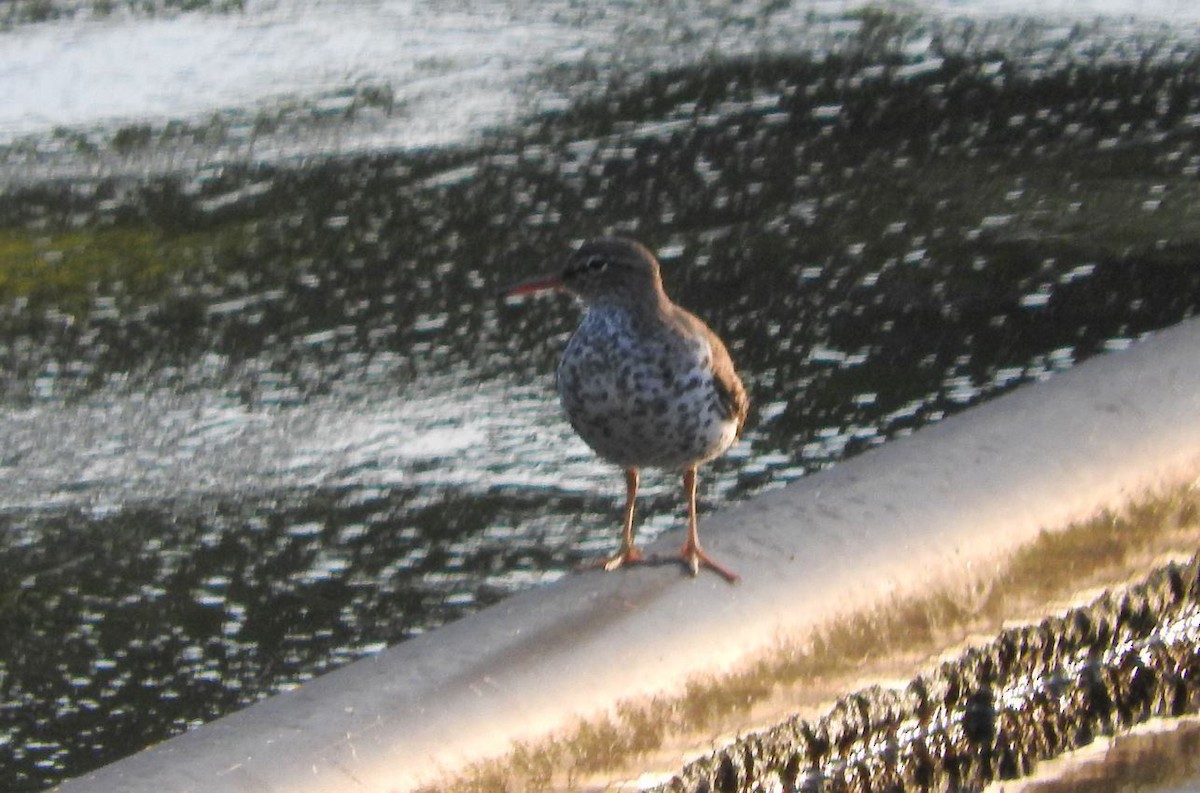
{"x":260,"y":420}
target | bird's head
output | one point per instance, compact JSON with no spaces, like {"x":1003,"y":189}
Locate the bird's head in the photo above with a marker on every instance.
{"x":604,"y":270}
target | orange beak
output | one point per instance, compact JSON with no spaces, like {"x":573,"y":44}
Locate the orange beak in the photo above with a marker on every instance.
{"x":547,"y":284}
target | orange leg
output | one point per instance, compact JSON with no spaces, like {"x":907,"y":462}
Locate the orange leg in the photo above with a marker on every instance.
{"x":629,"y":553}
{"x":691,"y":553}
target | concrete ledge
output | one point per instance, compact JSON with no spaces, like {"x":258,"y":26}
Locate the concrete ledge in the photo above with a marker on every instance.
{"x":918,"y":511}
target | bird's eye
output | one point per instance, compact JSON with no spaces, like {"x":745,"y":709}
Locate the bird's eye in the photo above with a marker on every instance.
{"x":596,"y":263}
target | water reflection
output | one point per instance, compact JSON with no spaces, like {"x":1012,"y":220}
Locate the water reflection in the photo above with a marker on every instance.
{"x":260,"y":419}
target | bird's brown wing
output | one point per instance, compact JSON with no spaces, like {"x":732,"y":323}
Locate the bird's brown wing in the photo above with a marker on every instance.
{"x":730,"y":391}
{"x":731,"y":394}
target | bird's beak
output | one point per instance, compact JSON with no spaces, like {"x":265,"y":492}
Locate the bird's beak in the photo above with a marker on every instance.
{"x":547,"y":284}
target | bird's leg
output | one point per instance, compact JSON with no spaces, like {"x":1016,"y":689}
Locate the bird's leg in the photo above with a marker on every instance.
{"x":692,"y":554}
{"x":629,"y":553}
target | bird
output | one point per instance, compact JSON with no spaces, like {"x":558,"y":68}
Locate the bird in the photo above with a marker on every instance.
{"x":644,"y":382}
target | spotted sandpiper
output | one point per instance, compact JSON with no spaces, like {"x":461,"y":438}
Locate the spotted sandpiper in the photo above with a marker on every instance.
{"x":644,"y":382}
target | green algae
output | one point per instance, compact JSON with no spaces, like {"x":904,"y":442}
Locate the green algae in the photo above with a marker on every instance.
{"x":69,"y":269}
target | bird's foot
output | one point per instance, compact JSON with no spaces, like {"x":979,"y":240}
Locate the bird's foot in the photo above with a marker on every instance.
{"x":628,"y":555}
{"x":694,"y":557}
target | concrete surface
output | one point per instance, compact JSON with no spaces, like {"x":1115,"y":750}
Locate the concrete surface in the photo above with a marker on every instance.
{"x":919,"y":510}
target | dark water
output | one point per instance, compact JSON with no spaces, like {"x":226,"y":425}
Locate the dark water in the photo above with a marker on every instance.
{"x":261,"y":419}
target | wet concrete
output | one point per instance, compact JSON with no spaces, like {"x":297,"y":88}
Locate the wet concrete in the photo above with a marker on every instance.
{"x":1033,"y":693}
{"x":1161,"y":756}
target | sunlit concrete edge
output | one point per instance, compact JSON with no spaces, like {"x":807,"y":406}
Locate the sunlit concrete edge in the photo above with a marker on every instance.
{"x":920,"y":511}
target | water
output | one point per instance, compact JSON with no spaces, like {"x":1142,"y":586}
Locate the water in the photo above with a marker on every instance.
{"x":263,"y":413}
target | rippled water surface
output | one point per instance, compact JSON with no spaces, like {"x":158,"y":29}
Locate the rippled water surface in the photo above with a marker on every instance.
{"x":262,"y":412}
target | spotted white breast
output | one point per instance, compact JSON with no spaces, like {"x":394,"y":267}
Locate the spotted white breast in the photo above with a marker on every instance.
{"x":653,"y":403}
